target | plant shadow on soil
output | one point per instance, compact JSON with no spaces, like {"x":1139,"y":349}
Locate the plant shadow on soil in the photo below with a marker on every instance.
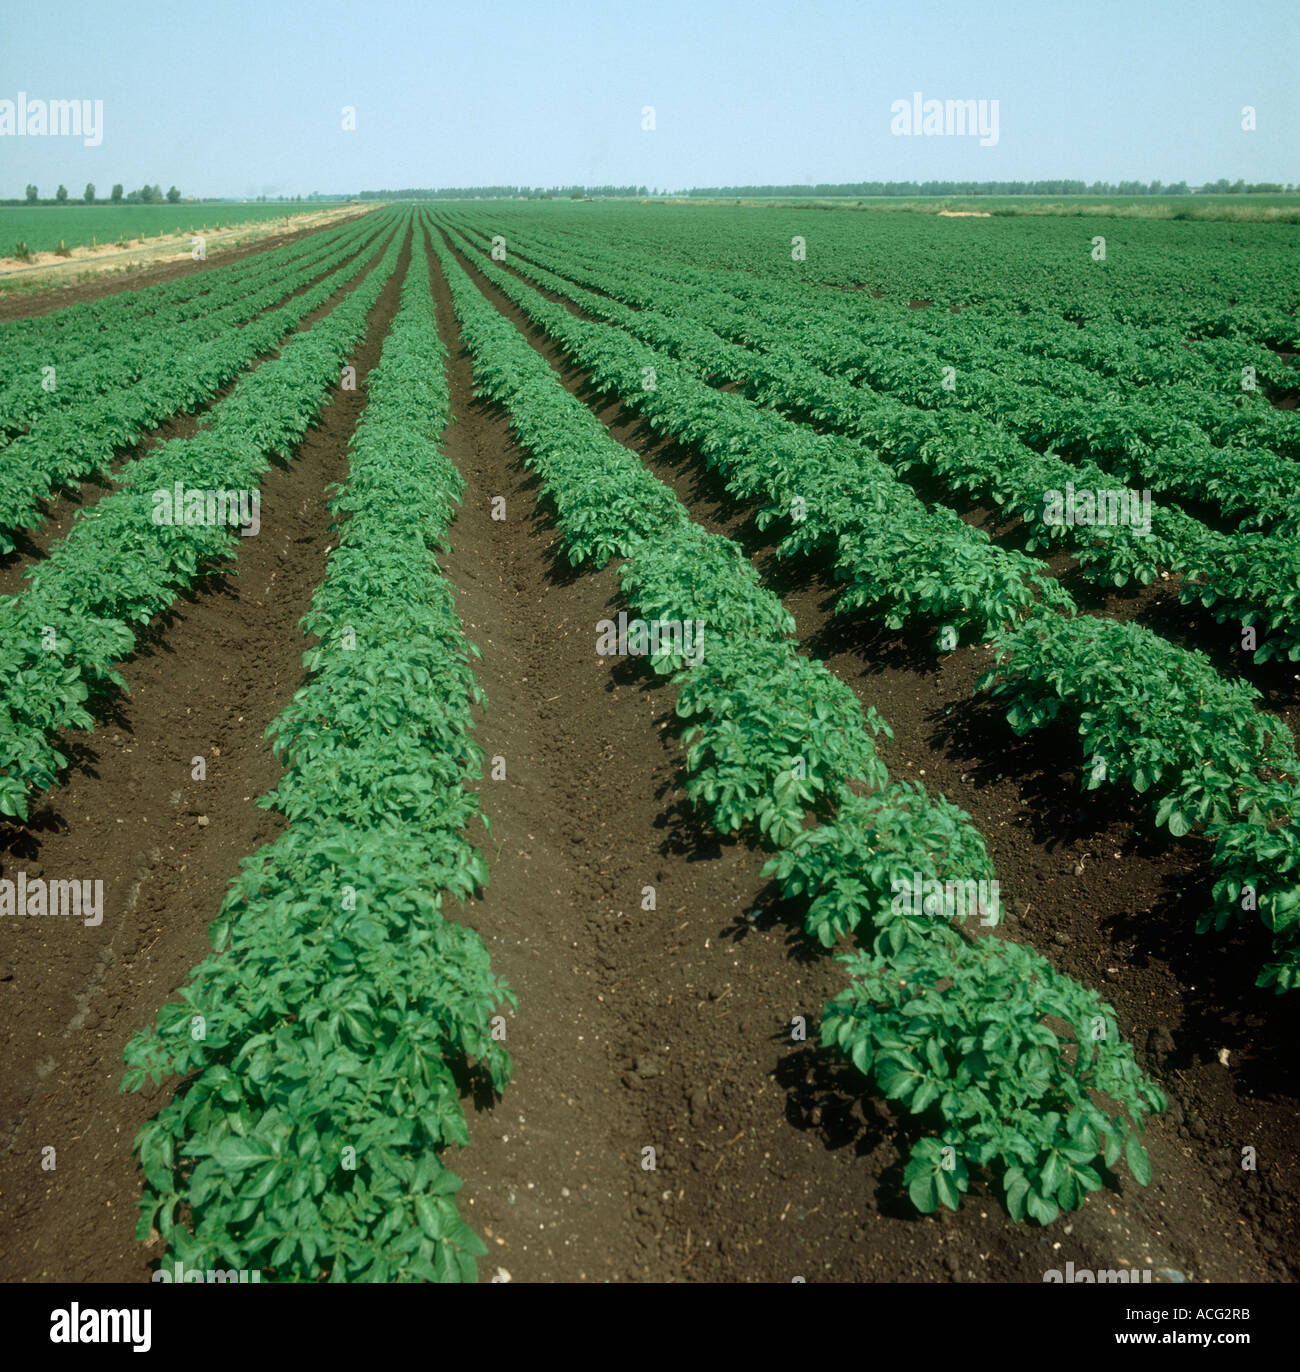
{"x":826,"y":1096}
{"x":84,"y":491}
{"x":1221,"y":1007}
{"x":825,"y":1099}
{"x":22,"y":841}
{"x":1047,"y":769}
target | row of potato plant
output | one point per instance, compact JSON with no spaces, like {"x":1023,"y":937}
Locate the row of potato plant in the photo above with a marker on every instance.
{"x":1027,"y":270}
{"x":791,"y":386}
{"x":1148,"y":713}
{"x":82,"y":439}
{"x":1247,"y":579}
{"x":1173,"y":390}
{"x":894,"y":551}
{"x":1107,"y":436}
{"x":92,"y":324}
{"x":81,"y":369}
{"x":342,"y":1003}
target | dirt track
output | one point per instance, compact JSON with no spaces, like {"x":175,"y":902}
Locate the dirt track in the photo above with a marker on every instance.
{"x":145,"y":266}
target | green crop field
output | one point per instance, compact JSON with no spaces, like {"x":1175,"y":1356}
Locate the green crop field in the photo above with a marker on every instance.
{"x":41,"y":227}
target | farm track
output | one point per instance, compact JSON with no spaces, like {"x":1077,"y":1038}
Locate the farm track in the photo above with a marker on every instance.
{"x":24,"y":305}
{"x":33,"y":545}
{"x":1129,"y":914}
{"x":205,"y":680}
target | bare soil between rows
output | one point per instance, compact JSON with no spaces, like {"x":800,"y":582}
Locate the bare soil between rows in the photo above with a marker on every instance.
{"x":665,"y":1028}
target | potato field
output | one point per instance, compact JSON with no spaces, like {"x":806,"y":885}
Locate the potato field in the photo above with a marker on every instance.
{"x":615,"y":741}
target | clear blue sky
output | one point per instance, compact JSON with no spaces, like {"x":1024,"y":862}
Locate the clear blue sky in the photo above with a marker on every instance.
{"x":244,"y":97}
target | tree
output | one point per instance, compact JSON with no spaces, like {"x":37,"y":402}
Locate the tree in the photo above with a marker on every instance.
{"x":89,"y":196}
{"x":173,"y":195}
{"x":61,"y":194}
{"x":117,"y":192}
{"x":31,"y":195}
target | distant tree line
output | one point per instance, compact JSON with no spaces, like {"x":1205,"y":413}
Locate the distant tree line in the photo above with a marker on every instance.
{"x":918,"y":188}
{"x":149,"y":195}
{"x":846,"y":188}
{"x":1239,"y":187}
{"x":503,"y":192}
{"x":146,"y":195}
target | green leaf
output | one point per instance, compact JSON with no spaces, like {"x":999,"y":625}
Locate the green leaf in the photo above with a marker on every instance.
{"x":236,"y":1154}
{"x":924,"y":1192}
{"x":1139,"y":1163}
{"x":1040,"y":1208}
{"x":1017,"y":1193}
{"x":430,"y":1217}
